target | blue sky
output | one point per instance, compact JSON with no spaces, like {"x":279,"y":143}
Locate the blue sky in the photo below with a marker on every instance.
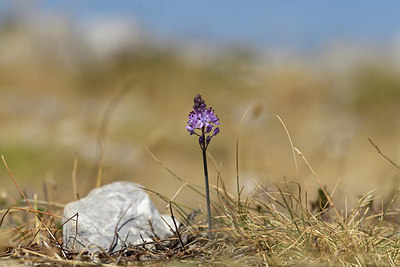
{"x":295,"y":24}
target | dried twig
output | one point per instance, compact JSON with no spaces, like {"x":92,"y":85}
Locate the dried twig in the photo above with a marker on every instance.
{"x":112,"y":245}
{"x":321,"y":186}
{"x":237,"y":153}
{"x":30,"y":205}
{"x":291,"y":145}
{"x":74,"y":186}
{"x":103,"y":129}
{"x":176,"y":228}
{"x":383,"y":155}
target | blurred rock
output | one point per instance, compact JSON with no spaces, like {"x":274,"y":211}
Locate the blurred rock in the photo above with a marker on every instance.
{"x":111,"y":216}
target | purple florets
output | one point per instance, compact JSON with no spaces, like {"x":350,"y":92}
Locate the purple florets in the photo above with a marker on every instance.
{"x":203,"y":119}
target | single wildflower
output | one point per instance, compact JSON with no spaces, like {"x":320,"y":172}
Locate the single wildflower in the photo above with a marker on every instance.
{"x":203,"y":123}
{"x":203,"y":120}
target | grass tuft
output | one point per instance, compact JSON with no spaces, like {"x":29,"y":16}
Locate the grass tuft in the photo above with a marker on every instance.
{"x":272,"y":227}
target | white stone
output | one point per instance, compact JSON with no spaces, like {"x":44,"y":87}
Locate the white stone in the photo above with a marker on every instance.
{"x":121,"y":205}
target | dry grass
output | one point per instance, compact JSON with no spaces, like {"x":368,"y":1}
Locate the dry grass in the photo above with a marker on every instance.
{"x":271,"y":227}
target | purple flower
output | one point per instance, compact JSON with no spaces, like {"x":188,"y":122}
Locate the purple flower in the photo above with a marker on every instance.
{"x":216,"y":131}
{"x":209,"y":128}
{"x":208,"y":139}
{"x":204,"y":120}
{"x":201,"y":138}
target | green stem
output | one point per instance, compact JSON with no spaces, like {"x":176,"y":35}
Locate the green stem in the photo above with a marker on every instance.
{"x":207,"y":185}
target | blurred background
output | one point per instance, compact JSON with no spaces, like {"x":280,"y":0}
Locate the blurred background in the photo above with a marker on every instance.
{"x":329,"y":70}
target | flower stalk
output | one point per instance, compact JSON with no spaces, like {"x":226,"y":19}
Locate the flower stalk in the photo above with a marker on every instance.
{"x":203,"y":119}
{"x":207,"y":189}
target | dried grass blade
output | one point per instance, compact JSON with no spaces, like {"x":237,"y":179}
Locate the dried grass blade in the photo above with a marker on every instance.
{"x":30,"y":205}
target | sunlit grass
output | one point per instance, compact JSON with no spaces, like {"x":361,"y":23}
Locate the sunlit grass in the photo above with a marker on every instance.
{"x":273,"y":226}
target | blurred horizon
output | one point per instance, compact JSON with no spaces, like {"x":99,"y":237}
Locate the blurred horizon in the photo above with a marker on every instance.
{"x":296,"y":26}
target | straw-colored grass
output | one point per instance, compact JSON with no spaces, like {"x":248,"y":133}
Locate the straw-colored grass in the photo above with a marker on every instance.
{"x":271,"y":227}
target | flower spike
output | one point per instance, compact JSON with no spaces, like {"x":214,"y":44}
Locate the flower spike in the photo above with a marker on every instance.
{"x":203,"y":120}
